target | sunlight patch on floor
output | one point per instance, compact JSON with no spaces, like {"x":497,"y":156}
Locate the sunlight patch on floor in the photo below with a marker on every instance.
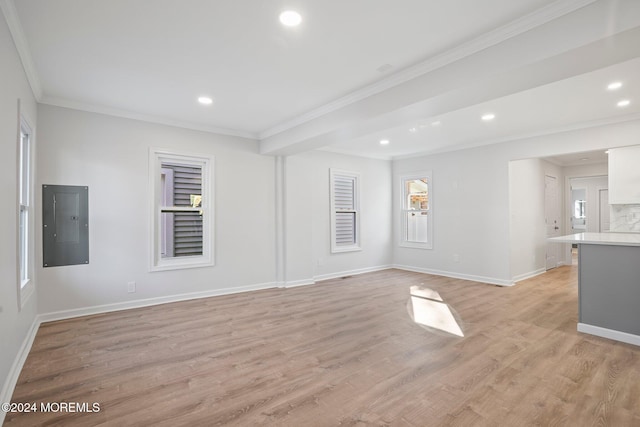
{"x":427,"y":309}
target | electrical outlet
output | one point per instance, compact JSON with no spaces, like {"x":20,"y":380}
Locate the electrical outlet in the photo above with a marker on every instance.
{"x":131,"y":287}
{"x":456,"y":258}
{"x":320,"y":262}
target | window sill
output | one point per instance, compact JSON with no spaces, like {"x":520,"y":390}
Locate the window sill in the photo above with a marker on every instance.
{"x":180,"y":264}
{"x":345,"y":249}
{"x":416,"y":245}
{"x":26,"y":290}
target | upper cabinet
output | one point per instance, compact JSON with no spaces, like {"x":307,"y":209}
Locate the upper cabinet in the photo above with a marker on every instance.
{"x":624,"y":175}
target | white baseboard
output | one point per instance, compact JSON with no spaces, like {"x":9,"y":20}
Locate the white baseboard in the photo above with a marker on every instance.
{"x":106,"y":308}
{"x":296,"y":283}
{"x":351,"y":272}
{"x":609,"y":333}
{"x":12,"y":378}
{"x":529,"y":275}
{"x":482,"y":279}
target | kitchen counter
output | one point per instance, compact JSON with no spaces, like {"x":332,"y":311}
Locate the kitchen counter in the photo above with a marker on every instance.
{"x":608,"y":284}
{"x":620,"y":239}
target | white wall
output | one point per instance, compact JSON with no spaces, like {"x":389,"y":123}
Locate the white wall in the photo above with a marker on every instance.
{"x":14,"y":322}
{"x":110,"y":155}
{"x":471,"y":200}
{"x":527,"y":214}
{"x":308,"y":216}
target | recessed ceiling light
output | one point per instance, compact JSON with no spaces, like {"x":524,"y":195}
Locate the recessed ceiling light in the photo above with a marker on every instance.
{"x":413,"y":130}
{"x":290,"y":18}
{"x":488,"y":117}
{"x":614,"y":86}
{"x":205,"y":100}
{"x":384,"y":141}
{"x":584,"y":159}
{"x":436,"y":123}
{"x":624,"y":103}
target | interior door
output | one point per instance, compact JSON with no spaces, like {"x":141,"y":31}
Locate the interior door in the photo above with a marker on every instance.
{"x":552,"y":219}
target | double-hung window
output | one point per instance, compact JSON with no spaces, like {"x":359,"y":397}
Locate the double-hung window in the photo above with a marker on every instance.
{"x":345,"y":210}
{"x":25,"y":221}
{"x":416,"y":218}
{"x":182,"y":209}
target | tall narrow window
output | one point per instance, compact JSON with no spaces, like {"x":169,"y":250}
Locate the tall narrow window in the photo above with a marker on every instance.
{"x":345,"y":211}
{"x":182,"y":209}
{"x":416,"y":217}
{"x":25,"y":227}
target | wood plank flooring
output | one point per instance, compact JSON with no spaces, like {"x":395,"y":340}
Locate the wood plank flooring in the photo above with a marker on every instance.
{"x":342,"y":352}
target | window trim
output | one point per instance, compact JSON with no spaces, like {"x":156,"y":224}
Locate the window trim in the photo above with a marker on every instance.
{"x":25,"y":287}
{"x":356,"y":197}
{"x":403,"y":210}
{"x":156,"y":262}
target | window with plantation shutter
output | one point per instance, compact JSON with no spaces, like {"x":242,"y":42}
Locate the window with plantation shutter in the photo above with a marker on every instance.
{"x":416,"y":227}
{"x":182,"y":211}
{"x":345,"y":221}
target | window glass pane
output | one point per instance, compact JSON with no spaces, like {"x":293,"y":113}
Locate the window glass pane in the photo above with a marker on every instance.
{"x":345,"y":228}
{"x":417,"y":194}
{"x":417,"y":230}
{"x":182,"y":184}
{"x":344,"y":192}
{"x":23,"y":249}
{"x":181,"y":232}
{"x":24,"y":168}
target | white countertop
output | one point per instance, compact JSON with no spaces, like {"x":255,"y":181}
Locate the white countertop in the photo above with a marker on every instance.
{"x":619,"y":239}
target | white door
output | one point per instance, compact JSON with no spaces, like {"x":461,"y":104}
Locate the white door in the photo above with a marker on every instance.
{"x":552,"y":218}
{"x":603,"y":196}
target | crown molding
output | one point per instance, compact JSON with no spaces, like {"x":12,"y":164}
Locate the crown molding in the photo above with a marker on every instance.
{"x":486,"y":40}
{"x":117,"y":112}
{"x":560,"y":129}
{"x":20,"y":41}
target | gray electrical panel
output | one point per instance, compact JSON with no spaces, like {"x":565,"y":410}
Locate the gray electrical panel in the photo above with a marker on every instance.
{"x":65,"y":225}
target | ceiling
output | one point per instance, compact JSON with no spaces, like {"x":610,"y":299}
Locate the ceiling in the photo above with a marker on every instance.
{"x":579,"y":101}
{"x":152,"y":59}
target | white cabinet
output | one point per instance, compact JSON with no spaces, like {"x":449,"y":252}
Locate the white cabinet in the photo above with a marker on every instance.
{"x":624,"y":175}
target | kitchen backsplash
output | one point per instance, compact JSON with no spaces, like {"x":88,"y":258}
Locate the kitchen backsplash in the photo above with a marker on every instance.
{"x":625,"y":218}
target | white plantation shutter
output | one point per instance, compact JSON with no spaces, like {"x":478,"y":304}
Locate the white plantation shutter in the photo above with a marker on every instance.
{"x":187,"y":225}
{"x":344,"y":201}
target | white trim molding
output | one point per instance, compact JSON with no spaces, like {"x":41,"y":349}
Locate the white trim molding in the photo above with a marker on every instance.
{"x":355,"y":272}
{"x":126,"y":114}
{"x":519,"y":26}
{"x":453,"y":275}
{"x":529,"y":275}
{"x":22,"y":46}
{"x":609,"y":333}
{"x":107,"y":308}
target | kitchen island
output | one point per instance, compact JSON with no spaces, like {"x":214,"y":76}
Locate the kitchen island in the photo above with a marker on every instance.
{"x":608,"y":284}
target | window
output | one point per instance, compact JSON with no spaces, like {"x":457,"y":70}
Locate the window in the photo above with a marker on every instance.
{"x":25,"y":221}
{"x":181,"y":210}
{"x":345,"y":211}
{"x":416,"y":217}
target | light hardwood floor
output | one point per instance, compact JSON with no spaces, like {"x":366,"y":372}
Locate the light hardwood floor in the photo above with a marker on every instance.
{"x":342,"y":352}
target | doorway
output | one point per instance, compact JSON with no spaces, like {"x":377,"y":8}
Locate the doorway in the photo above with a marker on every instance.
{"x":552,"y":219}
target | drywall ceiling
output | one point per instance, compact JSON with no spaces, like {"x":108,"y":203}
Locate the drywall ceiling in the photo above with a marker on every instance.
{"x":151,"y":59}
{"x":580,"y":159}
{"x":580,"y":101}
